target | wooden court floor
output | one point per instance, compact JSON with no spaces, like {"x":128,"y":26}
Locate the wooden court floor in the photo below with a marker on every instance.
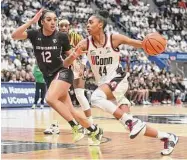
{"x":22,"y":135}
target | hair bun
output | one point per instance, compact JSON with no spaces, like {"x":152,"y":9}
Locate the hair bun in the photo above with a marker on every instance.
{"x":104,"y":13}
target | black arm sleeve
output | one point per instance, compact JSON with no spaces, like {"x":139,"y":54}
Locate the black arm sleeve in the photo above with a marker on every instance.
{"x":65,"y":42}
{"x":32,"y":35}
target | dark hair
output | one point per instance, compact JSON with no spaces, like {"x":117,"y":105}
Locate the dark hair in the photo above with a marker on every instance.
{"x":102,"y":15}
{"x":43,"y":16}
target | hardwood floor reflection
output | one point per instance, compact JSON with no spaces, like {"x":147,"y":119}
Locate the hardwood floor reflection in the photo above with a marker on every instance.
{"x":22,"y":135}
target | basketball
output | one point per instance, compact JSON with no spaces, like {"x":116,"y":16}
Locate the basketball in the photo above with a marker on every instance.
{"x":154,"y":44}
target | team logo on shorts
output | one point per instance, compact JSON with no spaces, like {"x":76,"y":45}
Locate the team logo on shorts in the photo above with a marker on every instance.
{"x":63,"y":75}
{"x":113,"y":84}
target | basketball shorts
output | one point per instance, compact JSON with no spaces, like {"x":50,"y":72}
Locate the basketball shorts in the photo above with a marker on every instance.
{"x":119,"y":86}
{"x":63,"y":74}
{"x":115,"y":81}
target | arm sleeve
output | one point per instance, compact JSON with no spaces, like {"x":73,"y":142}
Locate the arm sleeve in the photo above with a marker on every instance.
{"x":65,"y":42}
{"x":31,"y":34}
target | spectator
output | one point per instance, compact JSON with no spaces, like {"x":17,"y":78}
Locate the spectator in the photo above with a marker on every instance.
{"x":40,"y":87}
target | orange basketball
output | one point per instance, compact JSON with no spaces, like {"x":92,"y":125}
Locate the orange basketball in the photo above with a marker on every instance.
{"x":154,"y":44}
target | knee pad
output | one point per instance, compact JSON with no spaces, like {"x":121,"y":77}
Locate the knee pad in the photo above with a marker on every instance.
{"x":79,"y":92}
{"x":99,"y":99}
{"x":96,"y":96}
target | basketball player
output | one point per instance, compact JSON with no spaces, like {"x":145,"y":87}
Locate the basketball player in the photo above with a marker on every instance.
{"x":78,"y":82}
{"x":49,"y":47}
{"x":78,"y":69}
{"x":103,"y":55}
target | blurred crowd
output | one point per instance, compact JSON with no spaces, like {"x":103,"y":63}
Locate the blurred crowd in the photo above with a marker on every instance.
{"x":148,"y":84}
{"x":133,"y":17}
{"x":137,"y":20}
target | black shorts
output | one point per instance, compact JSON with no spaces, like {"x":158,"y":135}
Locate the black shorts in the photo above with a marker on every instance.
{"x":63,"y":74}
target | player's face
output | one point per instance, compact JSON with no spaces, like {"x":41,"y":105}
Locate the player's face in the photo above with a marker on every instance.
{"x":64,"y":27}
{"x":94,"y":25}
{"x":49,"y":22}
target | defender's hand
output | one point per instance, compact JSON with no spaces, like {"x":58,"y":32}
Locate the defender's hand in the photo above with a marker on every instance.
{"x":37,"y":16}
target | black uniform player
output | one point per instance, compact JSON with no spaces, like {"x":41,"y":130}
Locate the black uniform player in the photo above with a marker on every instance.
{"x":49,"y":47}
{"x":49,"y":51}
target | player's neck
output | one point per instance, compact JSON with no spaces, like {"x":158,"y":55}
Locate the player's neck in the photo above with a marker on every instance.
{"x":46,"y":33}
{"x":99,"y":39}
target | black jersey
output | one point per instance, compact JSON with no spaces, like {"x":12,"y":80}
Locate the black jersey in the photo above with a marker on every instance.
{"x":49,"y":50}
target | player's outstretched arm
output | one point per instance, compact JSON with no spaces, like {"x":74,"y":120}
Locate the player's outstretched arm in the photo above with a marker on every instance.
{"x":118,"y":39}
{"x":20,"y":33}
{"x":80,"y":49}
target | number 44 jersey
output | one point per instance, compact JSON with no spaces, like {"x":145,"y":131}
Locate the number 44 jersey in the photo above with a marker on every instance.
{"x":104,"y":61}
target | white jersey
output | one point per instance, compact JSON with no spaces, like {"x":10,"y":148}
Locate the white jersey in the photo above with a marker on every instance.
{"x":104,"y":61}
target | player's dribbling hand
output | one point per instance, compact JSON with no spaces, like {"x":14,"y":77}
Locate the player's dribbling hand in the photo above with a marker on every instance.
{"x":37,"y":16}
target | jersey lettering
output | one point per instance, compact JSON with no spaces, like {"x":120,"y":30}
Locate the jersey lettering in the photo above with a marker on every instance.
{"x":46,"y":56}
{"x":102,"y":71}
{"x":103,"y":60}
{"x":96,"y":60}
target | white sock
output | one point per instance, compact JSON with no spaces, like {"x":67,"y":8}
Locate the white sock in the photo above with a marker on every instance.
{"x":90,"y":119}
{"x":124,"y":118}
{"x":79,"y":92}
{"x":75,"y":121}
{"x":162,"y":135}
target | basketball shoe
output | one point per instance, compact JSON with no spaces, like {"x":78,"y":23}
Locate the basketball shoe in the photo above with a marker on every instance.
{"x":53,"y":129}
{"x":34,"y":106}
{"x":78,"y":133}
{"x":94,"y":138}
{"x":169,"y":144}
{"x":135,"y":127}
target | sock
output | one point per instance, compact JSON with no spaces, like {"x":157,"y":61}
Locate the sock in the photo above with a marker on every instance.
{"x":124,"y":118}
{"x":73,"y":123}
{"x":162,"y":135}
{"x":90,"y":119}
{"x":92,"y":128}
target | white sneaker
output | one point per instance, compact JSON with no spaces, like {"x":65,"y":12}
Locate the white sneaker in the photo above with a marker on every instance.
{"x":169,"y":102}
{"x":53,"y":129}
{"x":169,"y":144}
{"x":135,"y":126}
{"x":41,"y":106}
{"x":164,"y":102}
{"x":132,"y":103}
{"x":34,"y":106}
{"x":148,"y":103}
{"x":144,"y":103}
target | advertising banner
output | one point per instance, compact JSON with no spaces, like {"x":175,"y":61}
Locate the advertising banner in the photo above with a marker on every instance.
{"x":20,"y":94}
{"x":173,"y":56}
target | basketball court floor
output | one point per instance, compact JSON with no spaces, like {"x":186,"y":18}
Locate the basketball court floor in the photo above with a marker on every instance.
{"x":22,"y":135}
